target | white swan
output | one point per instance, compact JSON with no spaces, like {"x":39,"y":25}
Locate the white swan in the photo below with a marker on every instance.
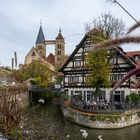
{"x":100,"y":137}
{"x":84,"y":133}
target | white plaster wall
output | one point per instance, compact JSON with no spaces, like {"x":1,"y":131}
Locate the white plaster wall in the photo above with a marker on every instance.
{"x":127,"y":91}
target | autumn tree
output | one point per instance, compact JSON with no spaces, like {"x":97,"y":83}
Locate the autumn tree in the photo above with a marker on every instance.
{"x":104,"y":28}
{"x":100,"y":71}
{"x":40,"y":72}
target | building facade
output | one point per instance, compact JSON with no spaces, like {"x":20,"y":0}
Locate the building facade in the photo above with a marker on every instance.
{"x":75,"y":73}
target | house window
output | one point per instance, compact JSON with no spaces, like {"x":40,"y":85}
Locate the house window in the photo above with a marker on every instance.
{"x":88,"y":96}
{"x":136,"y":57}
{"x":119,"y":96}
{"x":77,"y":63}
{"x":73,"y":79}
{"x":77,"y":92}
{"x":116,"y":77}
{"x":102,"y":96}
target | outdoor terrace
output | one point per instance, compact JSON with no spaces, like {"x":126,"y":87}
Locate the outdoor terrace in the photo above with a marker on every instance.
{"x":103,"y":107}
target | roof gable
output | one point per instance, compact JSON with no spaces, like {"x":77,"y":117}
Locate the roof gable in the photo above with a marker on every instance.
{"x":123,"y":56}
{"x":73,"y":53}
{"x":31,"y":51}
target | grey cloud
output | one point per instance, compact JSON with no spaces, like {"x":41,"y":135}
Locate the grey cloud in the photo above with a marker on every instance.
{"x":19,"y":21}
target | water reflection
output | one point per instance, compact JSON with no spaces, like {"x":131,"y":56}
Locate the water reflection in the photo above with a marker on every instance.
{"x":47,"y":123}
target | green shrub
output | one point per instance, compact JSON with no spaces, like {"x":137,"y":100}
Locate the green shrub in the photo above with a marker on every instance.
{"x":133,"y":97}
{"x":15,"y":134}
{"x":64,"y":96}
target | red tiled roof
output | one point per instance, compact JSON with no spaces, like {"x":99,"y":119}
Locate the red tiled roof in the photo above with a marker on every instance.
{"x":51,"y":59}
{"x":132,"y":54}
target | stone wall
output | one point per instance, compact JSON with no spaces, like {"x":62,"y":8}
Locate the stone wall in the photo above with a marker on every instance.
{"x":104,"y":121}
{"x":12,"y":100}
{"x":18,"y":93}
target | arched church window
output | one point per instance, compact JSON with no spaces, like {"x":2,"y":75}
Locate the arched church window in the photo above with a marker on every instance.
{"x":59,"y":46}
{"x":39,"y":47}
{"x":58,"y":52}
{"x":33,"y":54}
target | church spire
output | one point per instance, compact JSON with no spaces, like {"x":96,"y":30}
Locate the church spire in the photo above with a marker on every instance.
{"x":59,"y":36}
{"x":40,"y":37}
{"x":59,"y":30}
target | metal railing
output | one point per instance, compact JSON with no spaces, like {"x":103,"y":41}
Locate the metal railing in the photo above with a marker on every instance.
{"x":106,"y":108}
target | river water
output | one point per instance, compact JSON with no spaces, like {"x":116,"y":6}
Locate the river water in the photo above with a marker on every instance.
{"x":47,"y":123}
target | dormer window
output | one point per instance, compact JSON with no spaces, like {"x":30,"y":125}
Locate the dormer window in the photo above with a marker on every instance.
{"x":136,"y":57}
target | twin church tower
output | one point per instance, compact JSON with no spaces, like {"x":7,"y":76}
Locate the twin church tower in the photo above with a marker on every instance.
{"x":38,"y":53}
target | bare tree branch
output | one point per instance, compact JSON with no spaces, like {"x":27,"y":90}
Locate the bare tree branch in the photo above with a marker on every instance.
{"x":108,"y":25}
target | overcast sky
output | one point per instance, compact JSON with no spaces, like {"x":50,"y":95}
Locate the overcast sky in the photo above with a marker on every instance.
{"x":20,"y":21}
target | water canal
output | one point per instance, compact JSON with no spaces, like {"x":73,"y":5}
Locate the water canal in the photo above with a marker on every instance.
{"x":47,"y":123}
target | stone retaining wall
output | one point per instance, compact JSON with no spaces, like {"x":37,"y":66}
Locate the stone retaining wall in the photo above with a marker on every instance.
{"x":104,"y":121}
{"x":19,"y":93}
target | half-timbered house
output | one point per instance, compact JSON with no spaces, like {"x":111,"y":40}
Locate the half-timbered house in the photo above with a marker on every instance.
{"x":75,"y":73}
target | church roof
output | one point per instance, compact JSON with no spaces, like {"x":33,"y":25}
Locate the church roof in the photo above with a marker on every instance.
{"x":59,"y":36}
{"x":51,"y":59}
{"x":40,"y":37}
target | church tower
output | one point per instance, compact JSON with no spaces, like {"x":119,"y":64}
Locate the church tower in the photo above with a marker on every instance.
{"x":59,"y":50}
{"x":40,"y":43}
